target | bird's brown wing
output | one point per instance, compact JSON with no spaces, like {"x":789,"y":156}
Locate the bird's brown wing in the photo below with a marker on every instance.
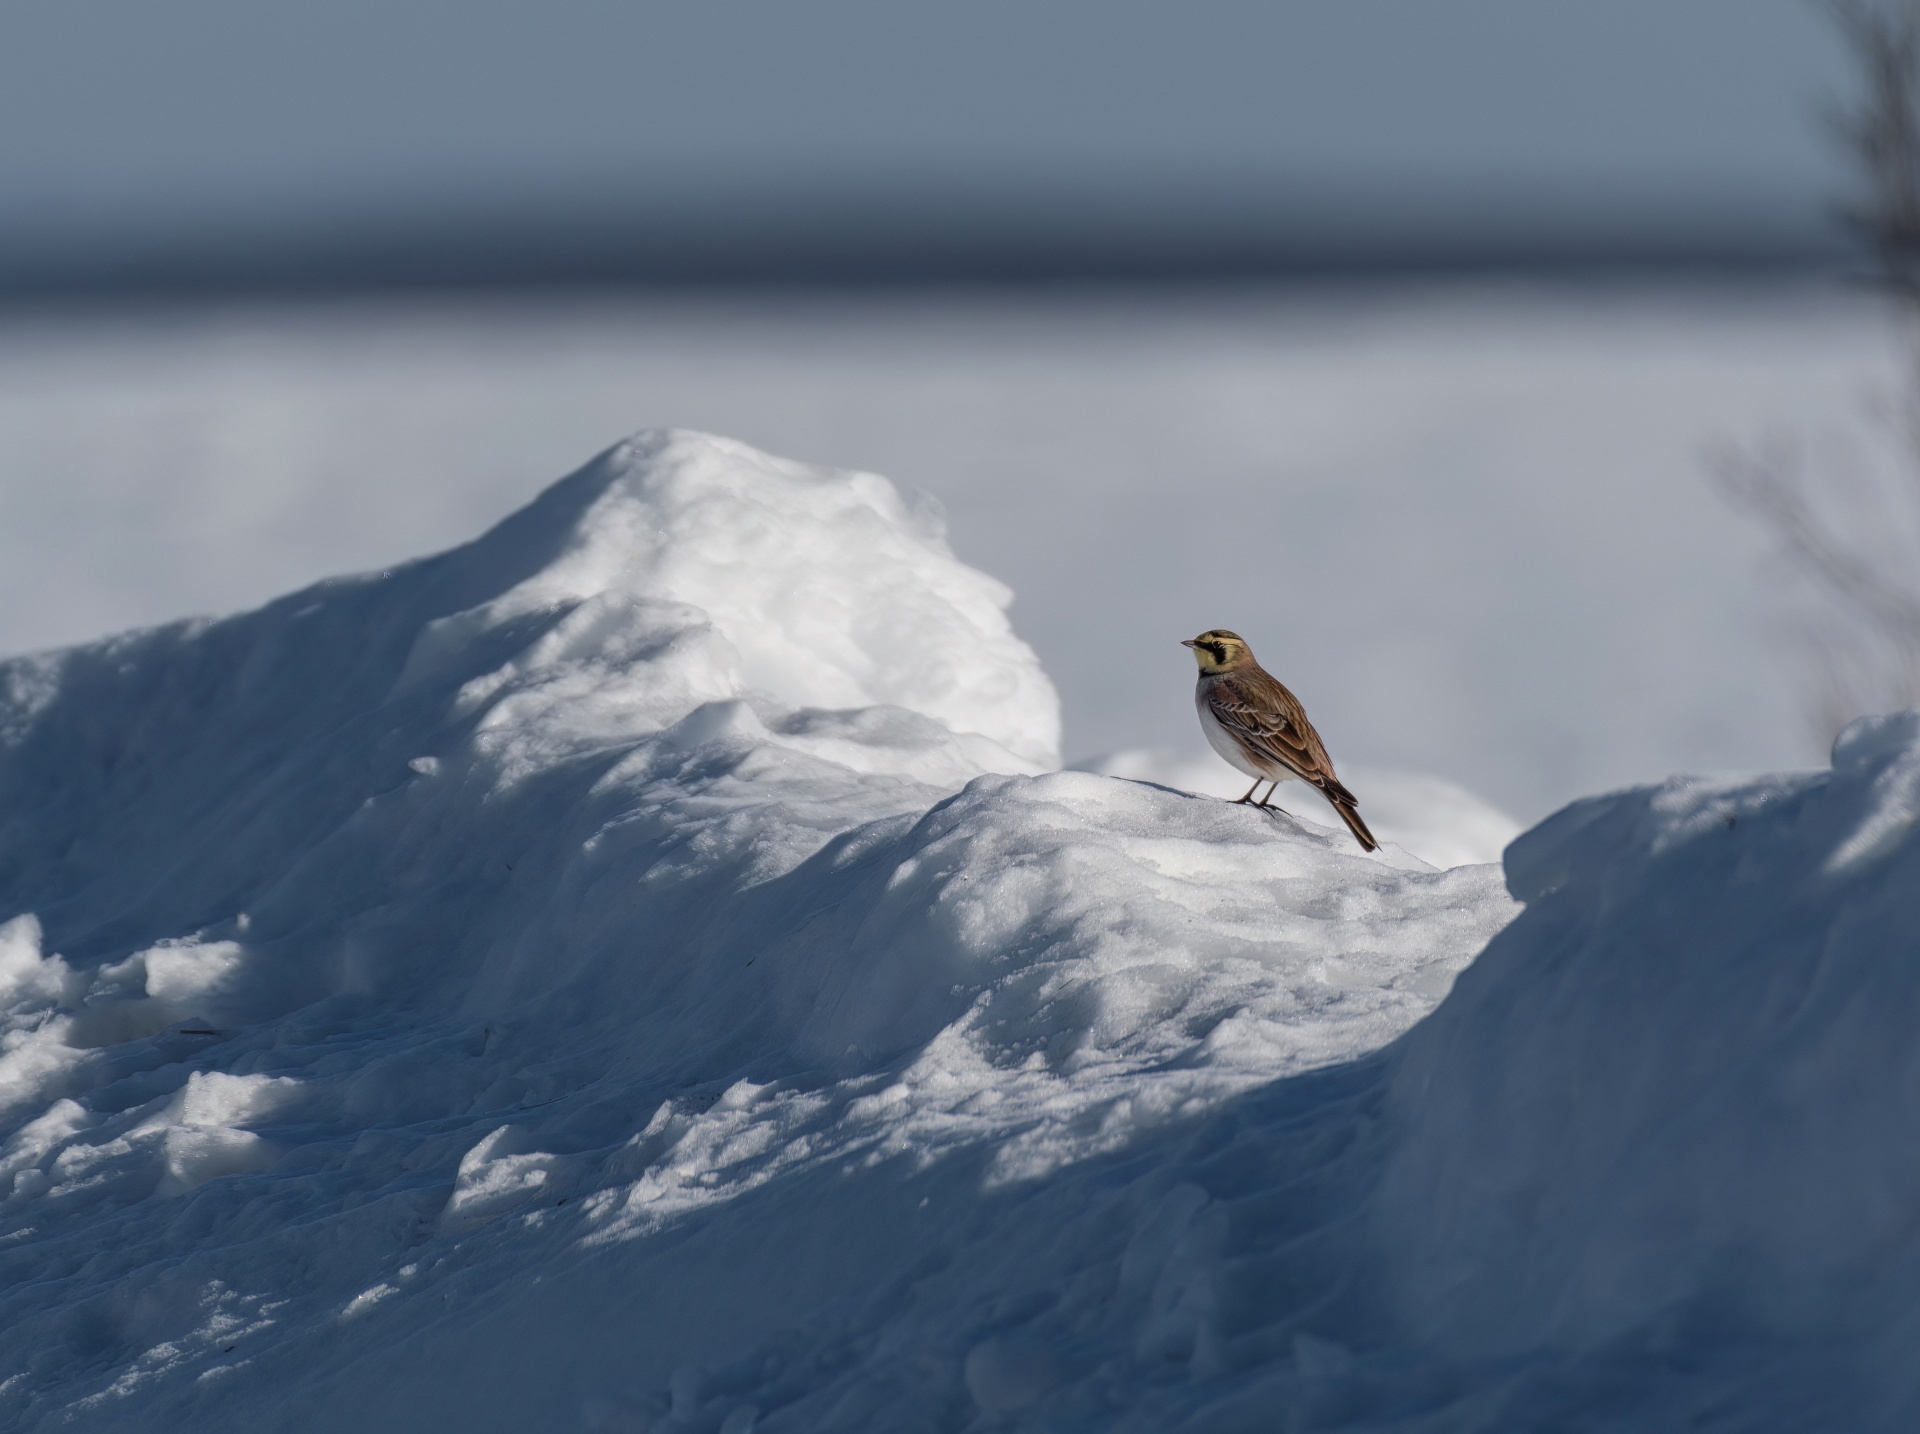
{"x":1270,"y":722}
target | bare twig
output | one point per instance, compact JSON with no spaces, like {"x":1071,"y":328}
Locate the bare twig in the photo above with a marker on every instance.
{"x":1772,"y":484}
{"x":1853,"y":537}
{"x":1861,"y":634}
{"x":1882,"y":133}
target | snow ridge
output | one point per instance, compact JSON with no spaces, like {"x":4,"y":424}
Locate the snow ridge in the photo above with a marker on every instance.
{"x":1661,"y":1119}
{"x":663,"y":893}
{"x":637,"y":972}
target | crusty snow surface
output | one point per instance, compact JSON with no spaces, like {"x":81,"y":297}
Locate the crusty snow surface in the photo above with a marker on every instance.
{"x":1436,"y":820}
{"x":639,"y":971}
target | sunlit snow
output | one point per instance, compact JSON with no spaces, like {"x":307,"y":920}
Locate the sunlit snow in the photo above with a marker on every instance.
{"x":639,"y":971}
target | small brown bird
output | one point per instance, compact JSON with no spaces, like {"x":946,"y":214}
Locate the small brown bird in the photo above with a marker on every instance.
{"x":1261,"y":728}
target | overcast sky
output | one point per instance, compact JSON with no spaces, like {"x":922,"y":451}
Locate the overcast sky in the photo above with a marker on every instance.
{"x":224,"y":134}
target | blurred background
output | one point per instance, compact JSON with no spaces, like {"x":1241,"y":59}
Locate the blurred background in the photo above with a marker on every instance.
{"x":1469,"y":358}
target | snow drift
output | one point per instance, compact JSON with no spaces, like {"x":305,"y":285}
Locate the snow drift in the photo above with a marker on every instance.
{"x":518,"y":981}
{"x":637,"y":972}
{"x":1659,"y":1133}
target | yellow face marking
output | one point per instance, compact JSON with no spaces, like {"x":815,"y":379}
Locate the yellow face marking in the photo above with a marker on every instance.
{"x":1216,"y":650}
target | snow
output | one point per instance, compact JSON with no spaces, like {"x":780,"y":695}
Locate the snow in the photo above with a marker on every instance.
{"x":640,"y":971}
{"x":1732,"y":963}
{"x":742,"y":537}
{"x":1440,"y":822}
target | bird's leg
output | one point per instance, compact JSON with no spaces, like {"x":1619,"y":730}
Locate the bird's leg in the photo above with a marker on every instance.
{"x":1250,"y":791}
{"x":1266,"y":802}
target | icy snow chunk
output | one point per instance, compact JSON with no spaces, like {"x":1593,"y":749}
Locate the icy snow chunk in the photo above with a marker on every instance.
{"x":182,"y":972}
{"x":498,"y":1175}
{"x":200,"y":1135}
{"x":1889,"y":748}
{"x":29,"y":981}
{"x":193,"y":1155}
{"x":152,"y":989}
{"x":215,"y":1098}
{"x":28,"y":1146}
{"x":35,"y":989}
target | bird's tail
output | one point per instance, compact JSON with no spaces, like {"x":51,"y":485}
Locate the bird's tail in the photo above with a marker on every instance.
{"x":1350,"y":814}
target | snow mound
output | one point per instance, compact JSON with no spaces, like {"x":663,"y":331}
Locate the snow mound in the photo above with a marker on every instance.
{"x":634,"y":971}
{"x":1437,"y":821}
{"x":826,"y":588}
{"x":1647,"y":1167}
{"x":1662,"y":1125}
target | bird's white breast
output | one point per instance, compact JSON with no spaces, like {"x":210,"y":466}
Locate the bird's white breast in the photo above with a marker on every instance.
{"x":1223,"y":741}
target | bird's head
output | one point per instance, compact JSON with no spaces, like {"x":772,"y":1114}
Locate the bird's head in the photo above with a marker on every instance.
{"x":1218,"y":650}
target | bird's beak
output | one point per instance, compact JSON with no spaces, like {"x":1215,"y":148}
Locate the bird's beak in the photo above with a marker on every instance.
{"x":1188,"y":641}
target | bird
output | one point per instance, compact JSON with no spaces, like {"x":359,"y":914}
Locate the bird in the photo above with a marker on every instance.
{"x":1258,"y":726}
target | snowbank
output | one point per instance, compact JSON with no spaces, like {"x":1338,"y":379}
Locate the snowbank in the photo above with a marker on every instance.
{"x":1662,"y":1126}
{"x":602,"y":980}
{"x":1647,"y":1167}
{"x":517,"y":988}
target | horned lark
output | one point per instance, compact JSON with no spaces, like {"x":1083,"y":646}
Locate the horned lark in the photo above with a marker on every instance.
{"x":1262,"y":729}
